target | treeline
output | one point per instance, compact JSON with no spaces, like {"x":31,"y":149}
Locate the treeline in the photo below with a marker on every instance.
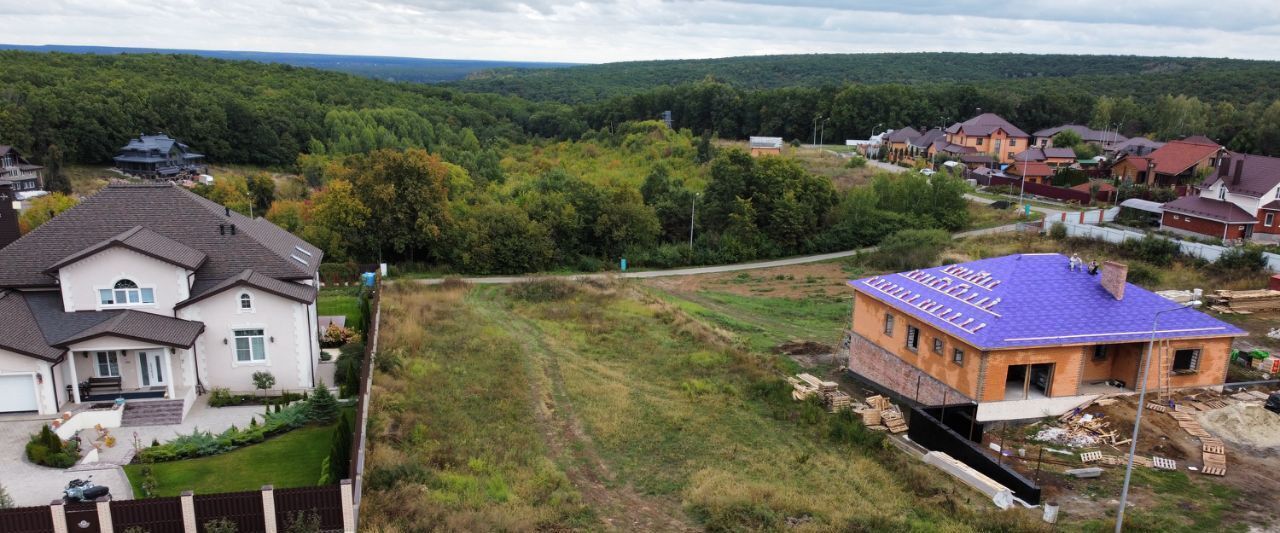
{"x":412,"y":206}
{"x":1142,"y":77}
{"x":854,"y":111}
{"x":83,"y":108}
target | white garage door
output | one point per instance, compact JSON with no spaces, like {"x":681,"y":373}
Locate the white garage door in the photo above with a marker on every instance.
{"x":17,"y":393}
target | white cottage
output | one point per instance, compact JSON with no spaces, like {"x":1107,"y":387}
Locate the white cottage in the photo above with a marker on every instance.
{"x":150,"y":292}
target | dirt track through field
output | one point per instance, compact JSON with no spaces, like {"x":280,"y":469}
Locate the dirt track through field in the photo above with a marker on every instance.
{"x":618,"y":506}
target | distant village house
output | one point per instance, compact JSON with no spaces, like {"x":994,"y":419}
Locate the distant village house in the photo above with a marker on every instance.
{"x":158,"y":156}
{"x":16,"y":171}
{"x":765,"y":146}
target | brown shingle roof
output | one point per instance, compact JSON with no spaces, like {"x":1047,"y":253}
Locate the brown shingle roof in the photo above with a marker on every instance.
{"x":21,"y":333}
{"x":1032,"y":169}
{"x":1210,"y":209}
{"x":142,"y":326}
{"x":248,"y":278}
{"x":985,"y":124}
{"x":168,"y":211}
{"x":146,"y":242}
{"x":1258,"y":177}
{"x":929,"y":137}
{"x":903,"y":135}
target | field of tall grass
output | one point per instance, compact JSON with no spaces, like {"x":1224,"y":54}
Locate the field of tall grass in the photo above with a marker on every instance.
{"x":549,"y":406}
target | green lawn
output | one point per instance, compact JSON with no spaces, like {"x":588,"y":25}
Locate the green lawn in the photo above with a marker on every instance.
{"x":290,"y":460}
{"x":340,"y":301}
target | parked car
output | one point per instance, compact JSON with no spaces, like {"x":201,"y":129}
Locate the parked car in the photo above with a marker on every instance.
{"x":1273,"y":402}
{"x":928,"y":172}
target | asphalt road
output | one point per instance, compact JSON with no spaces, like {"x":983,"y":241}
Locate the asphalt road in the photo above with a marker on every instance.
{"x":693,"y":271}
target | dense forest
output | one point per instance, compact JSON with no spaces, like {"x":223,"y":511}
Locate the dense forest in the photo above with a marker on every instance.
{"x":87,"y":106}
{"x":414,"y":69}
{"x":1142,"y":77}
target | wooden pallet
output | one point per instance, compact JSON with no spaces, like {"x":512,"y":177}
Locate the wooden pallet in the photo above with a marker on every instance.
{"x":1201,"y":406}
{"x":1089,"y":457}
{"x":894,"y":421}
{"x":1181,"y":417}
{"x":1157,"y":407}
{"x":1162,"y":463}
{"x":1211,"y":441}
{"x":1213,"y":471}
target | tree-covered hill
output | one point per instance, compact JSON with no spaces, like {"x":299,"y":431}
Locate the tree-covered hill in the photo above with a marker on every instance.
{"x":1115,"y":75}
{"x":389,"y":68}
{"x":87,"y":106}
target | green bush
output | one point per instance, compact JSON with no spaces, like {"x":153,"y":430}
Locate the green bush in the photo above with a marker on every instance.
{"x":221,"y":525}
{"x":1142,"y":274}
{"x":1241,"y":260}
{"x":204,"y":443}
{"x":856,"y":161}
{"x":46,"y":448}
{"x":1058,"y":232}
{"x":1152,"y":249}
{"x":346,"y":372}
{"x":910,"y":249}
{"x":543,"y":290}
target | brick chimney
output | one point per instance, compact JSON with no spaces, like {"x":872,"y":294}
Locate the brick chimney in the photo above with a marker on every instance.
{"x":1235,"y":178}
{"x":8,"y":215}
{"x":1114,"y":276}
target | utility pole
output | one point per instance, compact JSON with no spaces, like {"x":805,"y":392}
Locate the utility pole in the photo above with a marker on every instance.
{"x":1142,"y":401}
{"x":1022,"y":183}
{"x":815,"y":128}
{"x":823,"y":136}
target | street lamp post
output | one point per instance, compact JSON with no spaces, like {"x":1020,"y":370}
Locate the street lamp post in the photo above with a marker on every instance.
{"x":815,"y":129}
{"x":1022,"y":183}
{"x":823,"y":136}
{"x":1142,"y":401}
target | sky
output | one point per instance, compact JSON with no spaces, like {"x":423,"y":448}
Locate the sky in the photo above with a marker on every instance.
{"x":606,"y":31}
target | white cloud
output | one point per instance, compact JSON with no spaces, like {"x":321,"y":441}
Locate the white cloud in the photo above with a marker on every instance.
{"x":582,"y":31}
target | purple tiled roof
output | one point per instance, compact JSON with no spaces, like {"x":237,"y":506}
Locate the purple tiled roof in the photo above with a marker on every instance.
{"x":1033,"y":300}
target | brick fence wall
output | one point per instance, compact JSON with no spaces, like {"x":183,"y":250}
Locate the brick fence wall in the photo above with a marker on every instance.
{"x":878,"y":365}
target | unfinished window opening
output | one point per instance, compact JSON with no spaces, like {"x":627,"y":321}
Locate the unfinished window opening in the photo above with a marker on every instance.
{"x":1186,"y":361}
{"x":1100,"y":352}
{"x":913,"y":338}
{"x":937,"y":346}
{"x":1028,"y":382}
{"x":888,"y":324}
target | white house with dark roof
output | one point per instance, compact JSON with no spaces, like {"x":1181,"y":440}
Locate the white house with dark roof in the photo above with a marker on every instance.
{"x":150,"y":292}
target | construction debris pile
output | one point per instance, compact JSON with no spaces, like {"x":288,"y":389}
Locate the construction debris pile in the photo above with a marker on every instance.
{"x":1079,"y":429}
{"x":1244,"y":302}
{"x":806,"y":386}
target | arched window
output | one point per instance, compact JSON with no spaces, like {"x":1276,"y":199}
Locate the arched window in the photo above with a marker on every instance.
{"x":246,"y":301}
{"x":126,"y":292}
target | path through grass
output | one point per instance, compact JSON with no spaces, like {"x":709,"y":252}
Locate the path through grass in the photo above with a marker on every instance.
{"x":559,"y":407}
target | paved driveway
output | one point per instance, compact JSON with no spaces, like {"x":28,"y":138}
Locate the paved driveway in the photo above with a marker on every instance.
{"x":30,"y":484}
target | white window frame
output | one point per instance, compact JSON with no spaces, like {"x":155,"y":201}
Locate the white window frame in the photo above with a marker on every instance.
{"x":1269,"y":219}
{"x":235,"y":348}
{"x":97,"y":364}
{"x":116,"y":305}
{"x":1222,"y":193}
{"x":240,"y":308}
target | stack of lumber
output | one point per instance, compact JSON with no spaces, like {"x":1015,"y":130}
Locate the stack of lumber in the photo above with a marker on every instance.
{"x":1113,"y":460}
{"x":838,"y":400}
{"x":1246,"y":302}
{"x":806,"y":386}
{"x":893,"y":420}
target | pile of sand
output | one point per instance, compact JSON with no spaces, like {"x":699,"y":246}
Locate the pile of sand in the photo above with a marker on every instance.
{"x":1241,"y":423}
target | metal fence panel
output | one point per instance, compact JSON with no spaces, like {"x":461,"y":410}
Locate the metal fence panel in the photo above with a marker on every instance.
{"x":325,"y":501}
{"x":1208,"y":252}
{"x":155,"y":515}
{"x":26,"y":520}
{"x":243,"y":508}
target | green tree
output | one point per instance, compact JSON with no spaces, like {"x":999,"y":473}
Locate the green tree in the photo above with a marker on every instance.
{"x":323,"y":406}
{"x":230,"y":191}
{"x":262,"y":192}
{"x":55,"y":177}
{"x":44,"y":208}
{"x":338,"y":220}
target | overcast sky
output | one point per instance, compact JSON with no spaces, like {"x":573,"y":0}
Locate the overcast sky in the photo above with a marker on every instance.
{"x":593,"y":32}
